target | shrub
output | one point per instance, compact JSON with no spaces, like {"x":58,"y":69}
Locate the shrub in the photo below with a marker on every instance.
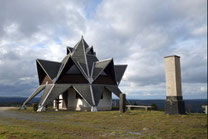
{"x":154,"y":106}
{"x":35,"y":106}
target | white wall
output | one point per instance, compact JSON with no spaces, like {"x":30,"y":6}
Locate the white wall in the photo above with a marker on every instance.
{"x":81,"y":104}
{"x":106,"y":102}
{"x":76,"y":104}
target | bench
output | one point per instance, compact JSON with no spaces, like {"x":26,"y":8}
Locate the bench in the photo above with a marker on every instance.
{"x":205,"y":108}
{"x":136,"y":106}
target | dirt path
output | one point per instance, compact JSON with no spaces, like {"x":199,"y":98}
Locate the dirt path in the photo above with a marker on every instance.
{"x":6,"y":112}
{"x":6,"y":108}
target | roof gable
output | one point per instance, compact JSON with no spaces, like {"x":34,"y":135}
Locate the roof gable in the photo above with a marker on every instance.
{"x":69,"y":67}
{"x":51,"y":68}
{"x":119,"y":72}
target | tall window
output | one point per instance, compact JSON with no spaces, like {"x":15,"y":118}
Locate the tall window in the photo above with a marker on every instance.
{"x":101,"y":96}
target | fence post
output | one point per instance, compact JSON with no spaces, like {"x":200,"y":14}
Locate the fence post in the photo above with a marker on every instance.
{"x":122,"y":107}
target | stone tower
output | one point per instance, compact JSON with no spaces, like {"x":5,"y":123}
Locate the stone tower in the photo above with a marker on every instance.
{"x":174,"y":103}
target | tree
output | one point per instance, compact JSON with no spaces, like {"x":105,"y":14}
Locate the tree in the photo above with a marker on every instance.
{"x":154,"y":106}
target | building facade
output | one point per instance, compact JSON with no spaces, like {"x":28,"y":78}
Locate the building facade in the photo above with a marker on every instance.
{"x":79,"y":82}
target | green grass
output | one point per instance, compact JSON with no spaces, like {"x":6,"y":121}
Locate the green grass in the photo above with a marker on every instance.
{"x":104,"y":124}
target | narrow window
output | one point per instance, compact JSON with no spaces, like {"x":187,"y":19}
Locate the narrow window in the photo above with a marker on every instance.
{"x":101,"y":96}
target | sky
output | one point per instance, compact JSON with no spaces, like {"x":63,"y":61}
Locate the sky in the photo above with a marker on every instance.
{"x":139,"y":33}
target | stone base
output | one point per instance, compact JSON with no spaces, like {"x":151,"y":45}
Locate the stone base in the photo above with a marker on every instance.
{"x":174,"y":105}
{"x":41,"y":108}
{"x":23,"y":107}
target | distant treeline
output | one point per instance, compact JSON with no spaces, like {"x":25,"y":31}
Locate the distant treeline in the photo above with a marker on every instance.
{"x":16,"y":101}
{"x":192,"y":105}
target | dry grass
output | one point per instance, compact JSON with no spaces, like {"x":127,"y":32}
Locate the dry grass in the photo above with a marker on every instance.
{"x":106,"y":124}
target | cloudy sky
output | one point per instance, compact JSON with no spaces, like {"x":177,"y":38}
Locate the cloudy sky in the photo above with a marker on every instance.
{"x":134,"y":32}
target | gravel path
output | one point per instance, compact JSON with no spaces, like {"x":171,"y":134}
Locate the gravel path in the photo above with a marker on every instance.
{"x":6,"y":112}
{"x":6,"y":108}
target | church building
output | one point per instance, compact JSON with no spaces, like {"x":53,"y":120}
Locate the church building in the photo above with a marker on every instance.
{"x":79,"y":82}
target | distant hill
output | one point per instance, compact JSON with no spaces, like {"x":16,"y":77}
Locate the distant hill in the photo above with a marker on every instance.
{"x":16,"y":101}
{"x":192,"y":105}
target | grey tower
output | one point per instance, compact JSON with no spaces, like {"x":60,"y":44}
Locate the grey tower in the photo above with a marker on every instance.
{"x":174,"y":103}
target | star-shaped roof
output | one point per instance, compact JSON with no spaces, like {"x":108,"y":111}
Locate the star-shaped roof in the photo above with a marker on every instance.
{"x":81,"y":70}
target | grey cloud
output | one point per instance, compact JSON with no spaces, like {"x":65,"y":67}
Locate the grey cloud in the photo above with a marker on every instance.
{"x":151,"y":30}
{"x":17,"y":89}
{"x":34,"y":16}
{"x":139,"y":33}
{"x":30,"y":30}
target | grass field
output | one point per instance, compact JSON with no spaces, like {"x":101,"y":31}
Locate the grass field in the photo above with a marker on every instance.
{"x":104,"y":124}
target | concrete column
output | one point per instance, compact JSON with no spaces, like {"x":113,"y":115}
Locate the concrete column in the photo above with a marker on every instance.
{"x":93,"y":109}
{"x":174,"y":103}
{"x":57,"y":104}
{"x":122,"y":107}
{"x":23,"y":107}
{"x":41,"y":108}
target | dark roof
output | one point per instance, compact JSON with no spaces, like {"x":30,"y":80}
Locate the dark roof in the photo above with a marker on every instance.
{"x":50,"y":68}
{"x":69,"y":50}
{"x":99,"y":66}
{"x":119,"y":71}
{"x":85,"y":92}
{"x":90,"y":60}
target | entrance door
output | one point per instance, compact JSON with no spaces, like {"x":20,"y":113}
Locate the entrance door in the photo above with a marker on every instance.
{"x":65,"y":100}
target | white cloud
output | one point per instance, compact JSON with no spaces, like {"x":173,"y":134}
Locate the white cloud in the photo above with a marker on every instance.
{"x":200,"y":31}
{"x":139,"y":33}
{"x":194,"y":90}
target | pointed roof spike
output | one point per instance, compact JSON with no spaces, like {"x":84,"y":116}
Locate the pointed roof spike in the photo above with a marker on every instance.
{"x":97,"y":92}
{"x":81,"y":67}
{"x":81,"y":42}
{"x":91,"y":59}
{"x":63,"y":64}
{"x":67,"y":64}
{"x":47,"y":65}
{"x":79,"y":55}
{"x":119,"y":72}
{"x":41,"y":73}
{"x":69,"y":50}
{"x":90,"y":51}
{"x":99,"y":67}
{"x":86,"y":46}
{"x":108,"y":68}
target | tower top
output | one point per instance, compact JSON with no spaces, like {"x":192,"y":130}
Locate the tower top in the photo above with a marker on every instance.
{"x":172,"y":56}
